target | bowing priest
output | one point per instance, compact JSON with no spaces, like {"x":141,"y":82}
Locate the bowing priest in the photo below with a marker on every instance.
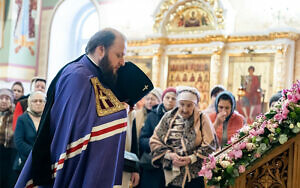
{"x":81,"y":137}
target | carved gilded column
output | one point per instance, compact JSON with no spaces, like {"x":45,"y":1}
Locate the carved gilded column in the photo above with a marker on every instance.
{"x":215,"y":68}
{"x":156,"y":63}
{"x":280,"y":69}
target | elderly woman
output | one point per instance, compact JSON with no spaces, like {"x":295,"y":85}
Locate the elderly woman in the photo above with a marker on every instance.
{"x":182,"y":139}
{"x":154,"y":177}
{"x":7,"y":151}
{"x":27,"y":126}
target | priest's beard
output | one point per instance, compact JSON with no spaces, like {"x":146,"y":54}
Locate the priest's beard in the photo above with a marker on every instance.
{"x":109,"y":76}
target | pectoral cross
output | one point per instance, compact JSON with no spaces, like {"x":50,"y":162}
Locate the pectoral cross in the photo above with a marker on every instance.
{"x":145,"y":88}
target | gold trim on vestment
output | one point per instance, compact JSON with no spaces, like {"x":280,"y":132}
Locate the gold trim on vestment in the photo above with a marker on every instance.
{"x":106,"y":102}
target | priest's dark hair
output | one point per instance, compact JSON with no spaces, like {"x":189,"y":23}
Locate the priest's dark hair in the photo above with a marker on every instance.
{"x":105,"y":37}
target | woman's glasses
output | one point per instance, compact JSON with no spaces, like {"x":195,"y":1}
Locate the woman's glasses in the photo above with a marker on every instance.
{"x":38,"y":101}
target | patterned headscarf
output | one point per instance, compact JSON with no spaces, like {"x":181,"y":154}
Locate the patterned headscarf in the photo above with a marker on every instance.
{"x":7,"y":92}
{"x":188,"y":93}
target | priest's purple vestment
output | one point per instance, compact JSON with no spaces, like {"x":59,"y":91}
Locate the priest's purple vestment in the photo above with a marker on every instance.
{"x":87,"y":128}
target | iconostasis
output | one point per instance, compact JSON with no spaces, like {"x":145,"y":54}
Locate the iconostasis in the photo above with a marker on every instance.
{"x":194,"y":71}
{"x":191,"y":49}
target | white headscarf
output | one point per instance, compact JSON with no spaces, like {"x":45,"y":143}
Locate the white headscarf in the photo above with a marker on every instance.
{"x":188,"y":93}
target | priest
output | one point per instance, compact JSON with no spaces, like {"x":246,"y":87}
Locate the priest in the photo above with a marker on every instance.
{"x":81,"y":136}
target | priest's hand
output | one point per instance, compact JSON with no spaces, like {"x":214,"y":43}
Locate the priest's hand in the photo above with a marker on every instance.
{"x":135,"y":179}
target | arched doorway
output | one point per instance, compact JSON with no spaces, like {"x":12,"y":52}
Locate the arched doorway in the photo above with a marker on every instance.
{"x":74,"y":22}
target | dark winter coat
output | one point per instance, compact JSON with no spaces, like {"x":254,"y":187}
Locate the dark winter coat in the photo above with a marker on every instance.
{"x":151,"y":178}
{"x":151,"y":122}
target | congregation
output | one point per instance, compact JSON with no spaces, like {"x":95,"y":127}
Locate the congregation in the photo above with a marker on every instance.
{"x":149,"y":94}
{"x":163,"y":119}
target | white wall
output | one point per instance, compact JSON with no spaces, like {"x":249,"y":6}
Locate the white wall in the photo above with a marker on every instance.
{"x":63,"y":37}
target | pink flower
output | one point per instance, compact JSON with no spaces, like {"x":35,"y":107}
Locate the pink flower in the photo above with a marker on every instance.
{"x":206,"y":173}
{"x":231,"y":154}
{"x":236,"y":147}
{"x":238,"y":154}
{"x":243,"y":145}
{"x":253,"y":132}
{"x":297,"y":96}
{"x":260,"y":131}
{"x":279,"y":117}
{"x":285,"y":113}
{"x":242,"y":168}
{"x":284,"y":91}
{"x":257,"y":155}
{"x":212,"y":162}
{"x":293,"y":98}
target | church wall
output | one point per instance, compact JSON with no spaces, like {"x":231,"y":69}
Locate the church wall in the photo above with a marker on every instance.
{"x":17,"y":61}
{"x":23,"y":66}
{"x":49,"y":3}
{"x":297,"y":62}
{"x":4,"y":50}
{"x":46,"y":16}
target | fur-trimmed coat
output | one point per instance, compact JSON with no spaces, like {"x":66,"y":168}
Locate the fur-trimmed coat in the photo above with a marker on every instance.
{"x":198,"y":140}
{"x":6,"y":131}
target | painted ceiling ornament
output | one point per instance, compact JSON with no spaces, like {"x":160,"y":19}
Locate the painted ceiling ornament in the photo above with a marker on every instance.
{"x":181,"y":16}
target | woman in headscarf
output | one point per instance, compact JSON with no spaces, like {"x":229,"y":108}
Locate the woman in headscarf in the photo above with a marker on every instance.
{"x":153,"y":177}
{"x":37,"y":84}
{"x":27,"y":126}
{"x":18,"y":91}
{"x":182,"y":139}
{"x":7,"y":150}
{"x":226,"y":120}
{"x":152,"y":99}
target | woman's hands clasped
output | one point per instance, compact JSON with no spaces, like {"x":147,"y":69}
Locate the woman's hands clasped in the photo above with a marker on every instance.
{"x":179,"y":160}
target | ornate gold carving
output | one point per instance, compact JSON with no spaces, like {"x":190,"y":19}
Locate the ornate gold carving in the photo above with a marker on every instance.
{"x":271,"y":36}
{"x":214,"y":38}
{"x":210,"y":15}
{"x":271,"y":174}
{"x":194,"y":50}
{"x":106,"y":101}
{"x":164,"y":7}
{"x":190,"y":17}
{"x":168,"y":41}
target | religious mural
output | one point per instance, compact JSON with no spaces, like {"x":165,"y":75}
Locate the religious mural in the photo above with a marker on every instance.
{"x":193,"y":18}
{"x":193,"y":72}
{"x":190,"y":18}
{"x":252,"y":75}
{"x":24,"y":30}
{"x":250,"y":102}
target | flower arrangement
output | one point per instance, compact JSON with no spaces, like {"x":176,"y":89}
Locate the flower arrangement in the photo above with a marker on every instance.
{"x":252,"y":141}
